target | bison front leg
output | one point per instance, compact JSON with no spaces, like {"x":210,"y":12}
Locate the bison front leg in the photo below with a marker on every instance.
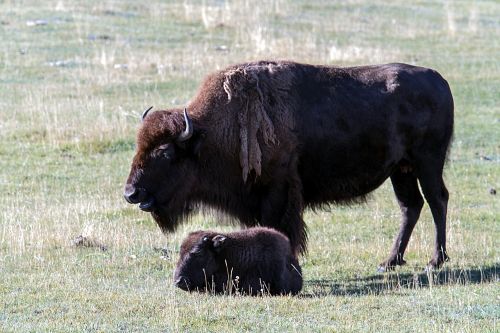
{"x":410,"y":202}
{"x":282,"y":207}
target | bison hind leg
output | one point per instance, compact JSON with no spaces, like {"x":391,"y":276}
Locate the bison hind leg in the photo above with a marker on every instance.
{"x":410,"y":202}
{"x":436,"y":194}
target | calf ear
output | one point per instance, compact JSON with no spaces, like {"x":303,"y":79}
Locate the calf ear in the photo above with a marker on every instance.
{"x":218,"y":242}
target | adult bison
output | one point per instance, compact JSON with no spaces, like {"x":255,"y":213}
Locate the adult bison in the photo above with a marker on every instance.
{"x":262,"y":141}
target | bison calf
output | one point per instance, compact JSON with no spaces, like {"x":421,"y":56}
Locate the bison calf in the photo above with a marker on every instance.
{"x":251,"y":261}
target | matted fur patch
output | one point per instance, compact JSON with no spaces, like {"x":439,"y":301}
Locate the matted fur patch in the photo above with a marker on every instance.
{"x":263,"y":90}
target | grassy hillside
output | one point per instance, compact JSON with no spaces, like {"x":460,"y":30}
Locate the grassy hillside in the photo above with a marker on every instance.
{"x":74,"y":79}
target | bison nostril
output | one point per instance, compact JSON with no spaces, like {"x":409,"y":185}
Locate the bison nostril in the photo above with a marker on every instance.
{"x":182,"y":283}
{"x":131,"y":194}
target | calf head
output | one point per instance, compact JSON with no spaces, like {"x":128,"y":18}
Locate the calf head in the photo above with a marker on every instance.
{"x":200,"y":262}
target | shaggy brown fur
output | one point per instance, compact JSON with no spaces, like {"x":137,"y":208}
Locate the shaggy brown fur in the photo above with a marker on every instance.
{"x":253,"y":261}
{"x":263,"y":88}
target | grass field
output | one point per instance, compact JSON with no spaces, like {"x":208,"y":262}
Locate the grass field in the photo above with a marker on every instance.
{"x":74,"y":78}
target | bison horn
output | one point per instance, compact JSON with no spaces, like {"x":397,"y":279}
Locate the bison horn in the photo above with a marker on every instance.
{"x":145,"y":113}
{"x":188,"y":132}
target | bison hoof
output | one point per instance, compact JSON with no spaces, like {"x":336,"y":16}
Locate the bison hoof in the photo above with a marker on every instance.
{"x":390,"y":264}
{"x":437,"y":261}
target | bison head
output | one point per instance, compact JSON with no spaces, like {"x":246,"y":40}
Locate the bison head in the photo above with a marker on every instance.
{"x":163,"y":173}
{"x":199,"y":265}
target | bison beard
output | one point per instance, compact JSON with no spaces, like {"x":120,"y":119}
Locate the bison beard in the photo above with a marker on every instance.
{"x":168,"y":218}
{"x":273,"y":138}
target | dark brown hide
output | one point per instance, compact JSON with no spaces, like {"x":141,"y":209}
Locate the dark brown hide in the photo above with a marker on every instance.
{"x":252,"y":261}
{"x":273,"y":138}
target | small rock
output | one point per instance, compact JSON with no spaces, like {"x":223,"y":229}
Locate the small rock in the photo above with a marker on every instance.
{"x":33,"y":23}
{"x":99,"y":37}
{"x":120,"y":66}
{"x":84,"y":241}
{"x":493,"y":191}
{"x":222,"y":48}
{"x":109,"y":12}
{"x":164,"y":252}
{"x":61,"y":63}
{"x":485,"y":158}
{"x":104,"y":37}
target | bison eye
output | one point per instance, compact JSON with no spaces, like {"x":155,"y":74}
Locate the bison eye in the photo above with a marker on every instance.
{"x":196,"y":252}
{"x":166,"y":151}
{"x":166,"y":155}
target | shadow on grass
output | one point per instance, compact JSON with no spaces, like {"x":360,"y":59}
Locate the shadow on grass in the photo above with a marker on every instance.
{"x":395,"y":282}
